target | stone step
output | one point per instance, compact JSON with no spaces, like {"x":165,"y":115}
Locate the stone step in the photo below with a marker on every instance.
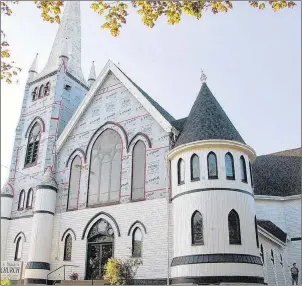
{"x":83,"y":282}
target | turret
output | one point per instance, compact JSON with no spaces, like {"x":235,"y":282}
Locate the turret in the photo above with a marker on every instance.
{"x":33,"y":71}
{"x":214,"y":229}
{"x":92,"y":76}
{"x":7,"y":195}
{"x":38,"y":264}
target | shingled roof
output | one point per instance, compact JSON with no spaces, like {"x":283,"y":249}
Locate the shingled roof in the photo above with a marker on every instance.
{"x":277,"y":175}
{"x":272,"y":229}
{"x":207,"y":120}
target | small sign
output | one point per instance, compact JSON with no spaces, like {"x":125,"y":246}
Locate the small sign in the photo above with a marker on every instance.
{"x":11,"y":270}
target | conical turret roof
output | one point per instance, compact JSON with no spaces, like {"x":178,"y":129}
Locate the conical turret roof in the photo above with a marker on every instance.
{"x":34,"y":65}
{"x":48,"y":179}
{"x":92,"y":75}
{"x":207,"y":120}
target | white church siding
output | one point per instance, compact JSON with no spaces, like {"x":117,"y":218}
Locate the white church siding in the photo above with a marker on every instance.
{"x":154,"y":254}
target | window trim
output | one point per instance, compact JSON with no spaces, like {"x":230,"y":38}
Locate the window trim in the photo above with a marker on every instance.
{"x":243,"y":170}
{"x":262,"y":253}
{"x":179,"y":182}
{"x":192,"y":227}
{"x":29,"y":193}
{"x":209,"y":176}
{"x":21,"y":208}
{"x":41,"y":91}
{"x":17,"y":249}
{"x":239,"y":241}
{"x":233,"y":177}
{"x":65,"y":246}
{"x":257,"y":235}
{"x":34,"y":94}
{"x":67,"y":206}
{"x":251,"y":174}
{"x":38,"y":139}
{"x":133,"y":236}
{"x":191,"y":168}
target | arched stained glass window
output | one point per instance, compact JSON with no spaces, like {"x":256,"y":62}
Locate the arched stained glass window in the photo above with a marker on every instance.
{"x":21,"y":200}
{"x":46,"y":89}
{"x":243,"y":170}
{"x":33,"y":145}
{"x":41,"y":90}
{"x":101,"y":231}
{"x":180,"y":171}
{"x":74,"y":183}
{"x":195,"y":171}
{"x":29,"y":200}
{"x":34,"y":94}
{"x":68,"y":247}
{"x":234,"y":228}
{"x":138,"y":171}
{"x":197,"y":228}
{"x":229,"y":166}
{"x":105,"y":168}
{"x":18,"y":251}
{"x":212,"y":166}
{"x":137,"y":243}
{"x":256,"y":231}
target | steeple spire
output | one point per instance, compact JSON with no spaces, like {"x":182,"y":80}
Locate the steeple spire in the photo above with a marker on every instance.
{"x":33,"y":70}
{"x":92,"y":76}
{"x":68,"y":35}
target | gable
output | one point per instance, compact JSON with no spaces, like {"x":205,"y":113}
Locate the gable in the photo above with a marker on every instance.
{"x":147,"y":103}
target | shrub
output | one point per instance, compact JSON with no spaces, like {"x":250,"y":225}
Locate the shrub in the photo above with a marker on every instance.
{"x":5,"y":282}
{"x":119,"y":272}
{"x":74,"y":276}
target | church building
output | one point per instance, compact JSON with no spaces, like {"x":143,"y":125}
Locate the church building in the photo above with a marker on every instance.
{"x":99,"y":169}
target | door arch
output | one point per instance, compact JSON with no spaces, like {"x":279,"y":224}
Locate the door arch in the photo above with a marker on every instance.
{"x":100,"y":245}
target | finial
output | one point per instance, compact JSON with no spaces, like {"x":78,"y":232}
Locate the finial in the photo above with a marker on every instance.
{"x":203,"y":77}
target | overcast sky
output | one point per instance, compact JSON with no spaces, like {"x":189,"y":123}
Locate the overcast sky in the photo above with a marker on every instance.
{"x":252,"y":60}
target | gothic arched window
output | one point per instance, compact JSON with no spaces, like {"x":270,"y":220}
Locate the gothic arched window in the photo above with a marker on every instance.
{"x":197,"y":228}
{"x":212,"y":166}
{"x":195,"y":172}
{"x":34,"y":94}
{"x":33,"y":145}
{"x":105,"y":168}
{"x":29,"y":200}
{"x":41,"y":91}
{"x":262,"y":253}
{"x":21,"y":200}
{"x":234,"y":228}
{"x":243,"y":170}
{"x":137,"y":243}
{"x":18,"y":251}
{"x":229,"y":166}
{"x":272,"y":257}
{"x":256,"y":231}
{"x":251,"y":174}
{"x":74,"y":183}
{"x":138,"y":171}
{"x":180,"y":171}
{"x":68,"y":247}
{"x":46,"y":89}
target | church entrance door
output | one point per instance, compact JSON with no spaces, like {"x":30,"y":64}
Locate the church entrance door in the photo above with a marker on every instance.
{"x":99,"y":249}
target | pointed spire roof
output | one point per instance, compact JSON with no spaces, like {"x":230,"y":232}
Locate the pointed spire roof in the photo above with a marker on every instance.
{"x":48,"y":179}
{"x":34,"y":65}
{"x":70,"y":29}
{"x":207,"y":120}
{"x":92,"y":75}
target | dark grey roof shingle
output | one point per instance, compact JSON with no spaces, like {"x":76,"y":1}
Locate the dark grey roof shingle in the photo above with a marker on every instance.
{"x":273,"y":229}
{"x":161,"y":110}
{"x":179,"y":123}
{"x":276,"y":175}
{"x":207,"y":120}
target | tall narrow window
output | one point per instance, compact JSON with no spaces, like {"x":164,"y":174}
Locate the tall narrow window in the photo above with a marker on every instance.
{"x":243,"y":170}
{"x":29,"y":200}
{"x":21,"y":200}
{"x":195,"y":172}
{"x":229,"y":167}
{"x":197,"y":228}
{"x":41,"y":91}
{"x":180,"y":171}
{"x":262,"y":253}
{"x":281,"y":261}
{"x":272,"y":256}
{"x":33,"y":145}
{"x":234,"y":228}
{"x":18,"y":251}
{"x":212,"y":166}
{"x":137,"y":243}
{"x":46,"y":89}
{"x":105,"y":168}
{"x":138,"y":171}
{"x":256,"y":231}
{"x":68,"y":247}
{"x":34,"y":94}
{"x":251,"y":174}
{"x":74,"y":183}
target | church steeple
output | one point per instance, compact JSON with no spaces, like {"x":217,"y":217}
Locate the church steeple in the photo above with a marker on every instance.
{"x":68,"y":35}
{"x":33,"y":70}
{"x":92,"y":76}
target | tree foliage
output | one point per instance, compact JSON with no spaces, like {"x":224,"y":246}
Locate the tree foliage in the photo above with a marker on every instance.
{"x":115,"y":14}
